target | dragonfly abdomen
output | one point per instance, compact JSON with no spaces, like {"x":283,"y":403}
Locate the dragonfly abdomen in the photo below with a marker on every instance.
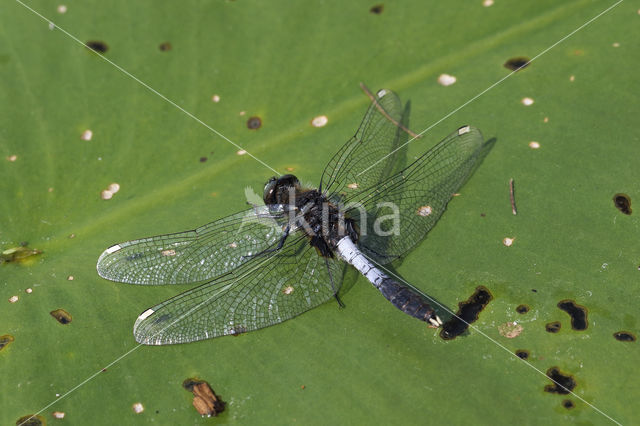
{"x":408,"y":301}
{"x":401,"y":296}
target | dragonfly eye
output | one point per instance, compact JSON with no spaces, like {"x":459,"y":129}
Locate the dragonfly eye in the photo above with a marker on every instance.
{"x":276,"y":189}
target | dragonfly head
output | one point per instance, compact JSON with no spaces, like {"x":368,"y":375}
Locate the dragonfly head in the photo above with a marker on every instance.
{"x":279,"y":189}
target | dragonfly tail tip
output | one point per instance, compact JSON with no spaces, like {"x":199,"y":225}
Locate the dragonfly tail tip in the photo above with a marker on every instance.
{"x":435,"y":321}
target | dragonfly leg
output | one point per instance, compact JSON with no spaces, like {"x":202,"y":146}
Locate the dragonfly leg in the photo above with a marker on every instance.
{"x":278,"y":247}
{"x":333,"y":287}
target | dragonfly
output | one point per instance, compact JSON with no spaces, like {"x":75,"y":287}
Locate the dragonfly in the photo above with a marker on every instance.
{"x":280,"y":258}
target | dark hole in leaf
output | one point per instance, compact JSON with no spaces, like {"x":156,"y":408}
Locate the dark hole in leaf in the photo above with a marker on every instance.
{"x":515,"y":64}
{"x":468,"y":312}
{"x":165,"y":46}
{"x":203,"y":159}
{"x":5,"y":341}
{"x":254,"y":123}
{"x":97,"y":46}
{"x":577,"y":313}
{"x":563,"y":383}
{"x":624,"y":336}
{"x":568,"y":404}
{"x":377,"y":9}
{"x":522,"y":353}
{"x":553,"y":327}
{"x":31,"y":420}
{"x":622,"y":203}
{"x":522,"y":309}
{"x":62,"y":316}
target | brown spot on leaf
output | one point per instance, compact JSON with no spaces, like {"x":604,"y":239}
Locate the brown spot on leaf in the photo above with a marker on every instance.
{"x":254,"y":123}
{"x":553,"y":327}
{"x":205,"y":401}
{"x":62,"y":316}
{"x":5,"y":341}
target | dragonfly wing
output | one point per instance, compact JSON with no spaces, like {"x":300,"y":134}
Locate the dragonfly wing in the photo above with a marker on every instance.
{"x":379,"y":135}
{"x":197,"y":255}
{"x":417,"y":196}
{"x":267,"y":290}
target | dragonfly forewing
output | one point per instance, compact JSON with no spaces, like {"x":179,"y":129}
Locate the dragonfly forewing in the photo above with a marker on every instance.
{"x":417,"y":196}
{"x":373,"y":148}
{"x":197,"y":255}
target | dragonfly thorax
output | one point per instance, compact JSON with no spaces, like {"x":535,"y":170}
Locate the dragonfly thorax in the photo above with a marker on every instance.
{"x":311,"y":212}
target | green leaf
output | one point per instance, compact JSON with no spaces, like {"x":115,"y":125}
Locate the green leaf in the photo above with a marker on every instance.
{"x":288,"y":62}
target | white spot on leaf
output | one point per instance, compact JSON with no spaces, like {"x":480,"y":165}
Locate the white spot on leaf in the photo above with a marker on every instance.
{"x":319,"y":121}
{"x":114,"y":187}
{"x":446,"y":79}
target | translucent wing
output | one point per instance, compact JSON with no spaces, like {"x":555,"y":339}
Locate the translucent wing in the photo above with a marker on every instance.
{"x":197,"y":255}
{"x":379,"y":134}
{"x":417,"y":196}
{"x":267,"y":290}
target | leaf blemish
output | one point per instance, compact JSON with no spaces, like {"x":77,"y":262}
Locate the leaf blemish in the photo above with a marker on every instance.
{"x":5,"y":341}
{"x":377,"y":9}
{"x":517,"y":63}
{"x":622,"y":203}
{"x":577,"y":313}
{"x":254,"y":123}
{"x":97,"y":46}
{"x":62,"y":316}
{"x":468,"y":312}
{"x":562,"y":383}
{"x":553,"y":327}
{"x":624,"y":336}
